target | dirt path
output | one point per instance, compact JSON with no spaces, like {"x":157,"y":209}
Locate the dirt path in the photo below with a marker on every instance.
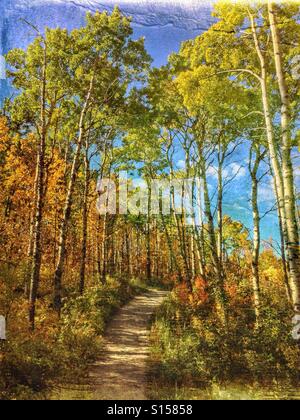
{"x":121,"y":372}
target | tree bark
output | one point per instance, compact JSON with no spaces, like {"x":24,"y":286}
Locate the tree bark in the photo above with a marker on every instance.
{"x":221,"y":157}
{"x":149,"y":259}
{"x":285,"y":265}
{"x":84,"y":220}
{"x":39,"y":202}
{"x":173,"y":257}
{"x":256,"y":231}
{"x":273,"y":151}
{"x":200,"y":234}
{"x":219,"y":289}
{"x":68,"y":205}
{"x":31,"y":235}
{"x":293,"y":245}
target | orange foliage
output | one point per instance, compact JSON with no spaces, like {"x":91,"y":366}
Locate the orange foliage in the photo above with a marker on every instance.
{"x":199,"y":295}
{"x":182,"y":292}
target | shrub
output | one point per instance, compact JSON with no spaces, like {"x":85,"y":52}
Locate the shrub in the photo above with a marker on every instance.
{"x":190,"y":347}
{"x":58,"y":352}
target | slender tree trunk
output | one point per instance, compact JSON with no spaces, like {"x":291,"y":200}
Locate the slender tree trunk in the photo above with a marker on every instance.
{"x":200,"y":233}
{"x":84,"y":220}
{"x":113,"y":255}
{"x":193,"y":254}
{"x":173,"y":257}
{"x":197,"y":269}
{"x":185,"y":233}
{"x":273,"y":149}
{"x":256,"y":234}
{"x":128,"y":252}
{"x":197,"y":247}
{"x":181,"y":241}
{"x":293,"y":245}
{"x":68,"y":205}
{"x":279,"y":184}
{"x":99,"y":271}
{"x":220,"y":203}
{"x":285,"y":265}
{"x":219,"y":289}
{"x":137,"y":264}
{"x":31,"y":235}
{"x":104,"y":250}
{"x":149,"y":260}
{"x":39,"y":205}
{"x":158,"y":252}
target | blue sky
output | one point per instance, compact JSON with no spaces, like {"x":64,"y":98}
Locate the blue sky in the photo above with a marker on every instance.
{"x":161,"y":42}
{"x":164,"y":24}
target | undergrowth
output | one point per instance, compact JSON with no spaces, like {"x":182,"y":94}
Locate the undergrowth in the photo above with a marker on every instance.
{"x":58,"y":351}
{"x":191,"y":350}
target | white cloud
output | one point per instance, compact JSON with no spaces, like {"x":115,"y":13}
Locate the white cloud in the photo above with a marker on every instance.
{"x":232,"y":170}
{"x":237,"y":170}
{"x":297,"y":172}
{"x":181,"y":164}
{"x":212,"y":172}
{"x":297,"y":178}
{"x":266,"y":193}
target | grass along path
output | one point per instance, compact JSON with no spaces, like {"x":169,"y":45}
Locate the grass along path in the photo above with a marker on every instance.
{"x":121,"y":371}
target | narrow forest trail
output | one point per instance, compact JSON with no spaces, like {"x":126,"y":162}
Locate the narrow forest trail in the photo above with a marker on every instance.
{"x":120,"y":374}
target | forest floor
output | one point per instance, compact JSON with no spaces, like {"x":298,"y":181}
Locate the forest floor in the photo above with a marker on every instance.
{"x":121,"y":372}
